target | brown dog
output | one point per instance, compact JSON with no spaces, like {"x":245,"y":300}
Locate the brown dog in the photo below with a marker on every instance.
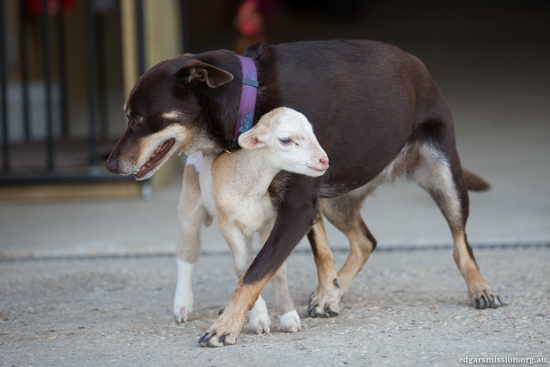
{"x":376,"y":112}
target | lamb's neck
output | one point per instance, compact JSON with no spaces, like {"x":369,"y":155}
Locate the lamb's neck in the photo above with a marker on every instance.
{"x":256,"y":169}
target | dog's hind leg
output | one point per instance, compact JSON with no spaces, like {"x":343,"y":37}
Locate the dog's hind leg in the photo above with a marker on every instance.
{"x":191,"y":215}
{"x":324,"y":301}
{"x":437,"y":169}
{"x":284,"y":305}
{"x":344,"y":213}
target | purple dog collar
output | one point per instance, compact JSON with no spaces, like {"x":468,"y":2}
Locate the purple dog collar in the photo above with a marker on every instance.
{"x":248,"y":100}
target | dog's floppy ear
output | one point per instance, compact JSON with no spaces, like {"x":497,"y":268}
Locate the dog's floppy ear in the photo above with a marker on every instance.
{"x":256,"y":137}
{"x":202,"y":72}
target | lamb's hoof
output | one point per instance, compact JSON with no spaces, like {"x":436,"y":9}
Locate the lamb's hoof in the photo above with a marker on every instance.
{"x":259,"y":317}
{"x":290,"y":322}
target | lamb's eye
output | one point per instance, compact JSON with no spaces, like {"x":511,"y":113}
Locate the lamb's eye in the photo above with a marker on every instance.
{"x":138,"y":120}
{"x":285,"y":141}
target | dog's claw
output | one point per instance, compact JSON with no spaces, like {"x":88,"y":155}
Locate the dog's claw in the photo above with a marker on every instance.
{"x":330,"y":312}
{"x":482,"y":296}
{"x":221,"y":311}
{"x":222,"y":338}
{"x":203,"y":341}
{"x":485,"y":301}
{"x":324,"y":303}
{"x":311,"y":311}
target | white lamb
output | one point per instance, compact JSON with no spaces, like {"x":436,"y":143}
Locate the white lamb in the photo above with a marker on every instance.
{"x":234,"y":188}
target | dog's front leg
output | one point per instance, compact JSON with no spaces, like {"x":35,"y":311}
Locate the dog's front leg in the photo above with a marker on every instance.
{"x":295,"y":218}
{"x":191,"y":214}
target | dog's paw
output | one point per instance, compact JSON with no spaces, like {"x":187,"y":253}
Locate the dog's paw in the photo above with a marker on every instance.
{"x":259,"y":317}
{"x":324,"y":303}
{"x":183,"y":306}
{"x":290,"y":322}
{"x":483,"y":296}
{"x":226,"y":329}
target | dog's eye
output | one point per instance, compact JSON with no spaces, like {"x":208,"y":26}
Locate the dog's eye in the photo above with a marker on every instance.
{"x":286,"y":141}
{"x":138,"y":120}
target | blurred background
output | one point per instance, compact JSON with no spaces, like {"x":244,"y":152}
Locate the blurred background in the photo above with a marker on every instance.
{"x":66,"y":67}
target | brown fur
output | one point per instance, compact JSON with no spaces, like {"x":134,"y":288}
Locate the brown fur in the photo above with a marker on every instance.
{"x":474,"y":182}
{"x":366,"y":101}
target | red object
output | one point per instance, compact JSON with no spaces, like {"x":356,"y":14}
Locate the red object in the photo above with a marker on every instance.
{"x":34,"y":7}
{"x":249,"y":20}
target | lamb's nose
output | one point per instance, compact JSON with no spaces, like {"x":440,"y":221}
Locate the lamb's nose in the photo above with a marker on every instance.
{"x":324,"y":162}
{"x":112,"y":165}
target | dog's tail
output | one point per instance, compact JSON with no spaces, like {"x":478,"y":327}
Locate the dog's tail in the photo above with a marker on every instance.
{"x":474,"y":182}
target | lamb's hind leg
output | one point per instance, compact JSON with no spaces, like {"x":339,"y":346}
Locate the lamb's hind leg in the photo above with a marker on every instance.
{"x":439,"y":172}
{"x":284,"y":305}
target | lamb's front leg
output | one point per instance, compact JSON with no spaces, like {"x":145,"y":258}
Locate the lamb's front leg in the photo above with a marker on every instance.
{"x":191,"y":215}
{"x":295,"y":218}
{"x":241,"y":248}
{"x":284,"y":305}
{"x":289,"y":320}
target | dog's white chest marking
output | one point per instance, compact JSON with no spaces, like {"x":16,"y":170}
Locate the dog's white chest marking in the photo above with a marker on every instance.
{"x":203,"y":165}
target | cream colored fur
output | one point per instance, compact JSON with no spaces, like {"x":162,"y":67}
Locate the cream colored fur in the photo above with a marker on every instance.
{"x":234,"y":188}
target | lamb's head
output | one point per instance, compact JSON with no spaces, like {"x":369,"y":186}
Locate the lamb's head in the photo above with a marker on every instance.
{"x":287,"y":137}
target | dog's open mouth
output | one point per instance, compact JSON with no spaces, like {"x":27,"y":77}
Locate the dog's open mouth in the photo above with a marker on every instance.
{"x":157,"y":155}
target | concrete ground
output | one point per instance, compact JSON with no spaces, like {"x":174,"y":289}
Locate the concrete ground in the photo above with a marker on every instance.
{"x":404,"y":308}
{"x":91,"y":283}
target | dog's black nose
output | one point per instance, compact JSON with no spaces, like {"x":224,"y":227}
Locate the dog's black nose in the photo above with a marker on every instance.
{"x":112,"y":165}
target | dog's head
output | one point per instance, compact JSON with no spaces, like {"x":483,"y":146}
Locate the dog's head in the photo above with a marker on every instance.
{"x":169,"y":111}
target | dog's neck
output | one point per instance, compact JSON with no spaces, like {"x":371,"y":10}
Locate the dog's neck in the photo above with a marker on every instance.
{"x":247,"y":105}
{"x":222,"y":113}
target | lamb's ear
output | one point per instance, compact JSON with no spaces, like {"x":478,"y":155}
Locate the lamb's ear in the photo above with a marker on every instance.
{"x":200,"y":71}
{"x":254,"y":138}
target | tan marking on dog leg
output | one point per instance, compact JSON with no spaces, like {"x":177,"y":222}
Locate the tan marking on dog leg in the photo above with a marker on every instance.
{"x":344,"y":213}
{"x":191,"y":214}
{"x":360,"y":249}
{"x":324,"y":301}
{"x":228,"y":326}
{"x":480,"y":293}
